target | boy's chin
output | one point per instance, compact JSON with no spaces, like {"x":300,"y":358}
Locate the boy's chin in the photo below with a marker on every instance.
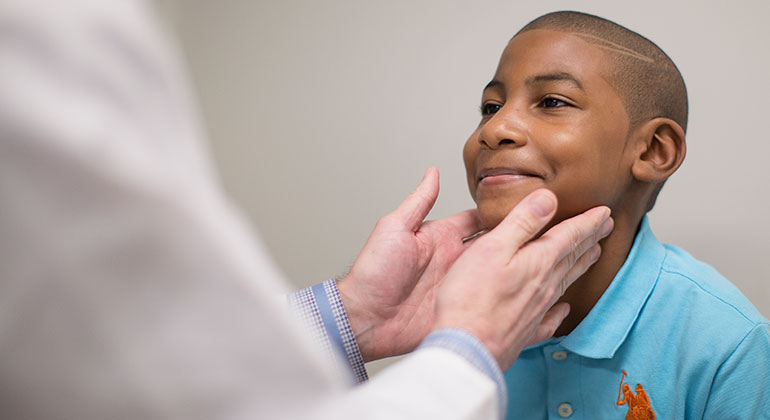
{"x":493,"y":208}
{"x":491,"y":213}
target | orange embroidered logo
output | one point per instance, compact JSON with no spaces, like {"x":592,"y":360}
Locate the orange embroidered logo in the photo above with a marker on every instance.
{"x":639,"y":407}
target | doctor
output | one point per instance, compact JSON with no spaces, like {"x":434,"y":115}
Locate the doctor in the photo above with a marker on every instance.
{"x":130,"y":288}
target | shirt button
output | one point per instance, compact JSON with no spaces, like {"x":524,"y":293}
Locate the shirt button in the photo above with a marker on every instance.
{"x":559,"y":355}
{"x":565,"y":410}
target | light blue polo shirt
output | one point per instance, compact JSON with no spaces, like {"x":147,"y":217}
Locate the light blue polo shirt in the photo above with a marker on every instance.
{"x":679,"y":329}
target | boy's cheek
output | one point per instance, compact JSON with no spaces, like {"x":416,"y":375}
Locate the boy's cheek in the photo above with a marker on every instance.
{"x":470,"y":153}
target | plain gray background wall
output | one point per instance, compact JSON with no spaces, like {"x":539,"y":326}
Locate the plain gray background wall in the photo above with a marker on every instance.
{"x":324,"y":115}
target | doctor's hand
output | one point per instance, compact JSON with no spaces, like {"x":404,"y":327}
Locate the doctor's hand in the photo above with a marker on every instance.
{"x":504,"y":288}
{"x":390,"y":291}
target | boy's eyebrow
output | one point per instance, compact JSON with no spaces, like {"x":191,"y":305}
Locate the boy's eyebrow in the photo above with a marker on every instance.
{"x":542,"y":78}
{"x":493,"y":83}
{"x":551,"y":77}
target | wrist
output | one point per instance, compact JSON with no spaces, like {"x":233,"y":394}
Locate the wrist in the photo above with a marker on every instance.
{"x":362,"y":322}
{"x":483,"y":331}
{"x":475,"y":352}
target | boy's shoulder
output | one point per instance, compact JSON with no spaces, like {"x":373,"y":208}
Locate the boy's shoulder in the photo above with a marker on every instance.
{"x":705,"y":289}
{"x":674,"y":325}
{"x":662,"y":291}
{"x":722,"y":336}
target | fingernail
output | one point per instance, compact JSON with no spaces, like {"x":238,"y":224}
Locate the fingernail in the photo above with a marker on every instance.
{"x":607,"y":227}
{"x":607,"y":213}
{"x":542,"y":204}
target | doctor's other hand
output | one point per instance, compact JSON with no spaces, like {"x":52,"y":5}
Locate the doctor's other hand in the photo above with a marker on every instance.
{"x":389,"y":293}
{"x":504,"y":288}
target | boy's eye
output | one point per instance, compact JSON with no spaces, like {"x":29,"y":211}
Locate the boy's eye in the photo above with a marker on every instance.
{"x":552,"y":103}
{"x":489,"y":109}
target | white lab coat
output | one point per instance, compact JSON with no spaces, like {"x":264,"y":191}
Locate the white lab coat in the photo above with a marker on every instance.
{"x":129,"y":286}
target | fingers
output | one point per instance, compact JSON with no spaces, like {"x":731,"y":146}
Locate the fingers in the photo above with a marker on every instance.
{"x":574,"y":236}
{"x":416,"y":206}
{"x":582,"y":256}
{"x":583,"y":248}
{"x":582,"y":264}
{"x":525,"y":220}
{"x":551,"y":321}
{"x":574,"y":243}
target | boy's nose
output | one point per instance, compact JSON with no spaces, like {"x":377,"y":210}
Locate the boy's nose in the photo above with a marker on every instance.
{"x":503,"y":129}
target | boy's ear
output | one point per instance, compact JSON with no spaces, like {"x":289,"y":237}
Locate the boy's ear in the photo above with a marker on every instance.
{"x":661,"y":150}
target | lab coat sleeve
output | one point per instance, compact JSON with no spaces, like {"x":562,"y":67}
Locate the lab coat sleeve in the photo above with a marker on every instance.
{"x":129,"y":286}
{"x":321,"y":311}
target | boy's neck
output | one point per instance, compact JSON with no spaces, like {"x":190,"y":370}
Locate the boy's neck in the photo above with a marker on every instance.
{"x":583,"y":294}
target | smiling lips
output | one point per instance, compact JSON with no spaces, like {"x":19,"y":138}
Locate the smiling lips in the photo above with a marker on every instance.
{"x":493,"y":176}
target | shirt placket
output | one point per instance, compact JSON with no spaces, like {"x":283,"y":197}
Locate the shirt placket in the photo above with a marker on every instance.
{"x":564,"y":400}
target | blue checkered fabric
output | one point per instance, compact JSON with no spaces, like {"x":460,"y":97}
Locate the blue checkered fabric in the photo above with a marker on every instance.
{"x":320,"y":309}
{"x":349,"y":344}
{"x":302,"y":303}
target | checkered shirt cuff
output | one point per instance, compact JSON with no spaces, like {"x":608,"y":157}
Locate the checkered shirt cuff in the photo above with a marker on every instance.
{"x":320,"y":308}
{"x":467,"y":346}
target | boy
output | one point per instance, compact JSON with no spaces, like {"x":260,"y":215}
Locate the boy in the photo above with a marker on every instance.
{"x":597,"y":113}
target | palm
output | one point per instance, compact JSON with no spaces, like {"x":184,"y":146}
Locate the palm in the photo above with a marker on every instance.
{"x":401,"y":281}
{"x":395,"y":277}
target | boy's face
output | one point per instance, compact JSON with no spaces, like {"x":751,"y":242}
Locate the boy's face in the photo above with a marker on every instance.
{"x":550,"y":119}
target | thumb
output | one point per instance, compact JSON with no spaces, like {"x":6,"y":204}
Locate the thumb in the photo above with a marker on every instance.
{"x":415,"y":207}
{"x":528,"y":218}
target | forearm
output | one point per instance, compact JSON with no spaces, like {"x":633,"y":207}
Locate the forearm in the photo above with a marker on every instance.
{"x":431,"y":382}
{"x":320,"y":308}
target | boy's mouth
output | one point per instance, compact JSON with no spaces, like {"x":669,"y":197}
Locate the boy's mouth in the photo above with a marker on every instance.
{"x":500,"y":175}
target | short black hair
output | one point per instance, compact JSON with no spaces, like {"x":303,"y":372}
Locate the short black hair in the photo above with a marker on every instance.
{"x":647,"y":80}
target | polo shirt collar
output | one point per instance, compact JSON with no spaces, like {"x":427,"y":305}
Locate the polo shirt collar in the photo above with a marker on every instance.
{"x":607,"y":325}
